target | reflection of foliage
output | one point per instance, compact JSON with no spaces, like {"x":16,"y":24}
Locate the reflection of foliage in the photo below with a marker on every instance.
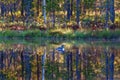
{"x":40,"y":50}
{"x":88,"y":72}
{"x":8,"y":75}
{"x":1,"y":47}
{"x":89,"y":3}
{"x":52,"y":71}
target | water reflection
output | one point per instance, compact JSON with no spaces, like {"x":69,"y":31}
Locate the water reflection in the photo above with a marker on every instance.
{"x":47,"y":63}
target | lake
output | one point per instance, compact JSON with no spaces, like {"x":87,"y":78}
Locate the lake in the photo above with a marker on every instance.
{"x":59,"y":60}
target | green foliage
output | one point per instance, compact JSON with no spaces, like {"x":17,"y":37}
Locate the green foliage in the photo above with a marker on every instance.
{"x":52,"y":5}
{"x":53,"y":68}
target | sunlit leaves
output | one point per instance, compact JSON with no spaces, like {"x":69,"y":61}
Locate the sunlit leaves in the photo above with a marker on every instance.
{"x":8,"y":2}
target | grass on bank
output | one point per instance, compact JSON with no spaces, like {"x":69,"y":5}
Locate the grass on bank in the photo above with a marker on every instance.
{"x":62,"y":33}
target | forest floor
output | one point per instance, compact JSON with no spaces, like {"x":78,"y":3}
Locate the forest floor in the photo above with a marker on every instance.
{"x":68,"y":32}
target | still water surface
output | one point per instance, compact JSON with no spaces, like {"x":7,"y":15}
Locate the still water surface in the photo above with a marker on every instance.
{"x":61,"y":61}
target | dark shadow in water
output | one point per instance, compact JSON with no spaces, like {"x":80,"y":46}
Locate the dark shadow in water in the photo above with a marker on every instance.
{"x":2,"y":65}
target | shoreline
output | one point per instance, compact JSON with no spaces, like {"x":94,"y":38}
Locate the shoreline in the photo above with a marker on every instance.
{"x":85,"y":35}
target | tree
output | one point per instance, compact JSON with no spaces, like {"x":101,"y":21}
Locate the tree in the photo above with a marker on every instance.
{"x":52,"y":6}
{"x":77,"y":11}
{"x":107,"y":14}
{"x":28,"y":6}
{"x":44,"y":11}
{"x":3,"y":9}
{"x":71,"y":7}
{"x":38,"y":7}
{"x":68,"y":10}
{"x":112,"y":11}
{"x":22,"y":7}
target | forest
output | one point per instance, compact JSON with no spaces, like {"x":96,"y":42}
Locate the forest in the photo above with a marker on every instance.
{"x":59,"y":39}
{"x":83,"y":18}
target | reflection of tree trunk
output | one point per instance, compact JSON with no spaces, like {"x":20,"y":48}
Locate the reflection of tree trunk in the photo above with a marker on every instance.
{"x":1,"y":65}
{"x":67,"y":66}
{"x":112,"y":66}
{"x":38,"y":68}
{"x":53,"y":55}
{"x":22,"y":64}
{"x":85,"y":64}
{"x":27,"y":66}
{"x":106,"y":63}
{"x":14,"y":63}
{"x":43,"y":65}
{"x":78,"y":65}
{"x":1,"y":60}
{"x":71,"y":68}
{"x":53,"y":15}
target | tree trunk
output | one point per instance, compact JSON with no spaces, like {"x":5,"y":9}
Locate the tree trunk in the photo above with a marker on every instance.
{"x":78,"y":11}
{"x":68,"y":10}
{"x":71,"y":7}
{"x":38,"y":7}
{"x":44,"y":11}
{"x":106,"y":65}
{"x":22,"y":64}
{"x":107,"y":15}
{"x":38,"y":68}
{"x":2,"y":9}
{"x":12,"y":14}
{"x":22,"y":8}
